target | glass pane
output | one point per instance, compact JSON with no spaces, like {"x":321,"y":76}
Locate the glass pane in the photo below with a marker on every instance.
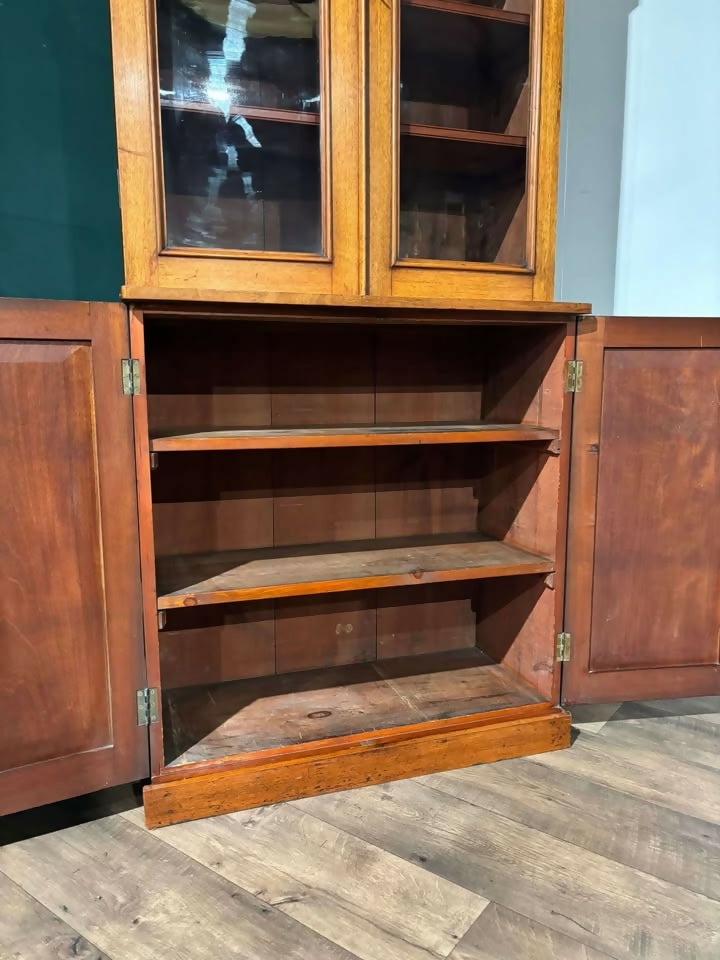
{"x":240,"y":105}
{"x":464,"y":113}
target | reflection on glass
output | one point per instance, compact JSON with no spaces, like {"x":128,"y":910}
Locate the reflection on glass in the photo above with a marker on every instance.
{"x":240,"y":105}
{"x":464,"y":114}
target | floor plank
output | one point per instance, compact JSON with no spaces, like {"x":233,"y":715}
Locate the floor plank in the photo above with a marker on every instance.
{"x":501,"y":934}
{"x":607,"y":851}
{"x":706,"y":707}
{"x":672,"y":846}
{"x":689,"y":738}
{"x":606,"y":905}
{"x":592,"y":717}
{"x":28,"y":931}
{"x":646,"y":774}
{"x":377,"y":905}
{"x":137,"y":898}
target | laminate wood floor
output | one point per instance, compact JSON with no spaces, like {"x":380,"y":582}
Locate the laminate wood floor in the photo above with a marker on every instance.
{"x":608,"y":850}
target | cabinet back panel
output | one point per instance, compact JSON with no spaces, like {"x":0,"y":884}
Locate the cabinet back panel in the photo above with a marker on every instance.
{"x":196,"y":380}
{"x":229,"y":375}
{"x":656,"y":599}
{"x":205,"y":502}
{"x":50,"y":548}
{"x":432,"y":375}
{"x":230,"y":500}
{"x":239,"y":641}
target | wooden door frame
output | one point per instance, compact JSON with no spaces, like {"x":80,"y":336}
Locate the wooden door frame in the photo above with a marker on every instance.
{"x":595,"y":336}
{"x":151,"y":272}
{"x":387,"y":277}
{"x":104,"y":327}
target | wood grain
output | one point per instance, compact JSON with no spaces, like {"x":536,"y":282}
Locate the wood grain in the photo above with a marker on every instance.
{"x":68,"y":555}
{"x":28,"y":931}
{"x":502,"y":934}
{"x":685,"y":787}
{"x":655,"y":840}
{"x":614,"y":909}
{"x":315,"y":632}
{"x":474,"y":306}
{"x":319,"y":706}
{"x":243,"y":788}
{"x":217,"y":643}
{"x":370,"y":436}
{"x":642,"y":600}
{"x":213,"y":501}
{"x":297,"y":571}
{"x":655,"y":600}
{"x":344,"y":889}
{"x":147,"y":262}
{"x":49,"y":457}
{"x":545,"y":136}
{"x":68,"y":873}
{"x":692,"y":738}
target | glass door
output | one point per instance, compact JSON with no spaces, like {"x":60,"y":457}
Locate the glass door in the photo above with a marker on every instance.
{"x":462,"y":104}
{"x":249,"y":189}
{"x":464,"y":119}
{"x":242,"y":139}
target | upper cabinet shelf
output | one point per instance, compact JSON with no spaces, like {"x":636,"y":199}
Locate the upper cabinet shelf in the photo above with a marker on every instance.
{"x":243,"y":110}
{"x":272,"y":147}
{"x":490,"y":11}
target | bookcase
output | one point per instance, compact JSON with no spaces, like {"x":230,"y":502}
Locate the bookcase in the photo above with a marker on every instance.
{"x":352,"y":542}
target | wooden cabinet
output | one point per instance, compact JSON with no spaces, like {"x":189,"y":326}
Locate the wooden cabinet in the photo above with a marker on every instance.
{"x":353,"y":148}
{"x":352,"y":545}
{"x":352,"y":540}
{"x":71,"y":639}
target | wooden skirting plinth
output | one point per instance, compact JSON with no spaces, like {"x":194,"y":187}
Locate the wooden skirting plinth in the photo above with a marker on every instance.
{"x":357,"y":765}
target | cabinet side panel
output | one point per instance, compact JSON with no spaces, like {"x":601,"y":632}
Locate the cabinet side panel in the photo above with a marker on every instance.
{"x":54,"y":641}
{"x":656,"y":601}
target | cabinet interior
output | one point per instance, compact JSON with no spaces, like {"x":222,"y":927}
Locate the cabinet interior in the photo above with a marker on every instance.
{"x":354,"y":525}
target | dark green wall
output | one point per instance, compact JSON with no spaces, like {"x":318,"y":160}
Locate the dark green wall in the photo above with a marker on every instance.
{"x":59,"y":216}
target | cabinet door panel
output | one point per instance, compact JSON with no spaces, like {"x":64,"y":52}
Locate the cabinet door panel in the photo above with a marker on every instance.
{"x":644,"y":556}
{"x":70,"y":635}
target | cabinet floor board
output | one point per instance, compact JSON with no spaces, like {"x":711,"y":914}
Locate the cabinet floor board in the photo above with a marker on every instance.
{"x":214,"y":721}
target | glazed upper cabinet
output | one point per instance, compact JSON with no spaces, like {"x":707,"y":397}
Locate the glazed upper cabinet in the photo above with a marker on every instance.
{"x":338,"y":147}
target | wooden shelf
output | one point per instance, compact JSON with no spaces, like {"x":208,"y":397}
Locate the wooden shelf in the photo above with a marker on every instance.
{"x":188,"y":581}
{"x":244,"y":110}
{"x":470,"y":10}
{"x":268,"y":438}
{"x":468,"y":136}
{"x":289,"y":711}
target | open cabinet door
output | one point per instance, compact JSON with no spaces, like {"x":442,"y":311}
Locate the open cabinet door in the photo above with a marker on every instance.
{"x":71,"y":645}
{"x":643,"y":586}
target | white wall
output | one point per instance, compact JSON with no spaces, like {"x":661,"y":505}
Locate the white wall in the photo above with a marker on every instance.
{"x":639,"y":201}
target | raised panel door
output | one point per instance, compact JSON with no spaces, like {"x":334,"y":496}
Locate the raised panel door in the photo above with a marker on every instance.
{"x":71,"y":640}
{"x":643,"y":596}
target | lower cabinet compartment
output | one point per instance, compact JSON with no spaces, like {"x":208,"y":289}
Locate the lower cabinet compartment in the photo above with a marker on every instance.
{"x":301,"y":671}
{"x":355,"y":542}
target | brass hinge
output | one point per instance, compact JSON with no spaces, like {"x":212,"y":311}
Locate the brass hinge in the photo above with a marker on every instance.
{"x":563,"y":647}
{"x":130,"y":377}
{"x":147,"y":706}
{"x":574,"y":378}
